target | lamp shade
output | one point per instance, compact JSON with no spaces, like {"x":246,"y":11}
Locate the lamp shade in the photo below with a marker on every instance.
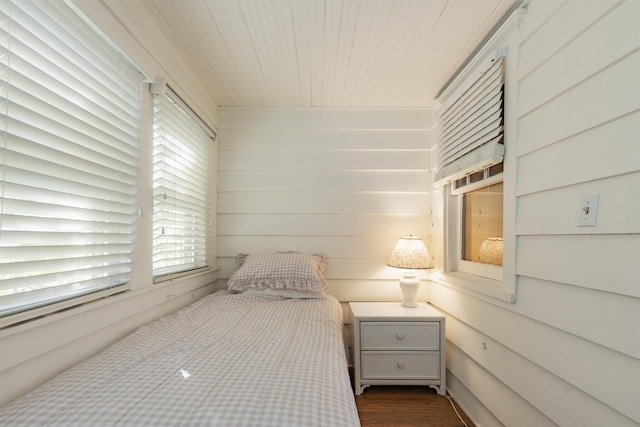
{"x":410,"y":253}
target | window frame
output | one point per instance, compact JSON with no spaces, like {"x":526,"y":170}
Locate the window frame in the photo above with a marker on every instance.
{"x":471,"y":277}
{"x":71,"y":291}
{"x":493,"y":272}
{"x":463,"y":275}
{"x":504,"y":288}
{"x":185,"y":121}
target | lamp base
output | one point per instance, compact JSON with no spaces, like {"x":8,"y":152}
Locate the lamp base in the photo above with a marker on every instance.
{"x":409,"y":285}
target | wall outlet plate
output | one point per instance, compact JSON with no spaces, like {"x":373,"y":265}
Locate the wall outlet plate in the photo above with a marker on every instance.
{"x":588,"y":210}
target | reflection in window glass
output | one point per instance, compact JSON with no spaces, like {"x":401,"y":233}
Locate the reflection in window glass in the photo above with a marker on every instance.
{"x":482,"y":225}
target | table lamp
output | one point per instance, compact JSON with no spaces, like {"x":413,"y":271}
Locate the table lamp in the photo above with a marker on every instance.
{"x":410,"y":253}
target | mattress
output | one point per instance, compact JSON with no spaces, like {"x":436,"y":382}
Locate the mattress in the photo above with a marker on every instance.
{"x":225,"y":360}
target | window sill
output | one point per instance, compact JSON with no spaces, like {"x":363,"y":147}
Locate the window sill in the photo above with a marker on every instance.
{"x":173,"y":277}
{"x":136,"y":298}
{"x":479,"y":287}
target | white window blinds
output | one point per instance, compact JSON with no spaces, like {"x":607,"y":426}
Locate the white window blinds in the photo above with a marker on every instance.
{"x":181,"y":155}
{"x":70,"y":107}
{"x":471,"y":128}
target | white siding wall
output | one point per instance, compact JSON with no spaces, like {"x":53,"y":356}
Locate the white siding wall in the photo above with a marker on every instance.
{"x":568,"y":351}
{"x":345,"y":182}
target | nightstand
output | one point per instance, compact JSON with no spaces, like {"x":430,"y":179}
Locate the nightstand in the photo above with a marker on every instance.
{"x":395,"y":345}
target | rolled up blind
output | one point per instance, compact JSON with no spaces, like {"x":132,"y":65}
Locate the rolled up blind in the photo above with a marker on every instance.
{"x":70,"y":107}
{"x":472,"y":128}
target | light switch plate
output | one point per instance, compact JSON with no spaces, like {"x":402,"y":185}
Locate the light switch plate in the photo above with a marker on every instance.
{"x":589,"y":210}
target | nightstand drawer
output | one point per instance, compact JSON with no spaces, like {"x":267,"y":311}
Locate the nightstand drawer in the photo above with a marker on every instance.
{"x":400,"y":365}
{"x":400,"y":335}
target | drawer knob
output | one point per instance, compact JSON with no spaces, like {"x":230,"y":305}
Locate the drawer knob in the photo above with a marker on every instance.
{"x":400,"y":335}
{"x":400,"y":365}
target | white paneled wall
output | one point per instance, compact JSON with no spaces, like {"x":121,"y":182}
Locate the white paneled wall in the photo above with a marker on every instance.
{"x":568,"y":351}
{"x":345,"y":182}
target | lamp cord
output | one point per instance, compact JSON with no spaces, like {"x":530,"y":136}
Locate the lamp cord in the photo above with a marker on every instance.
{"x":448,"y":396}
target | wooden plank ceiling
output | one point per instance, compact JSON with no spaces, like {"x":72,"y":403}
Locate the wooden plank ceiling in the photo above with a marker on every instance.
{"x":326,"y":53}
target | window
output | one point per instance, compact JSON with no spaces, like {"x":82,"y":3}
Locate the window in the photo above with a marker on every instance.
{"x":470,"y":160}
{"x":481,"y":216}
{"x":181,"y":153}
{"x":476,"y":169}
{"x":482,"y":224}
{"x":480,"y":235}
{"x":470,"y":165}
{"x":68,"y":161}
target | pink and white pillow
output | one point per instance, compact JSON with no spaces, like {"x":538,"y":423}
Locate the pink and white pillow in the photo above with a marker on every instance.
{"x":292,"y":271}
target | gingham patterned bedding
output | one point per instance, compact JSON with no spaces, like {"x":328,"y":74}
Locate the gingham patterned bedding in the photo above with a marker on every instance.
{"x":225,"y":360}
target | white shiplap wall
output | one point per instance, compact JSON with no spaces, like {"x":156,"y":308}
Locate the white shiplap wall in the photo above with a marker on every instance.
{"x":345,"y":182}
{"x":568,"y":351}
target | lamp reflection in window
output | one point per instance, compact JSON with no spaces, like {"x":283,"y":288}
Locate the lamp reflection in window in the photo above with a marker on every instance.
{"x":491,"y":251}
{"x":481,"y":219}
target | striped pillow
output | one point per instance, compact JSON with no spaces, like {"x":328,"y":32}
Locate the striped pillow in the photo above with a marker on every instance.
{"x":280,"y":270}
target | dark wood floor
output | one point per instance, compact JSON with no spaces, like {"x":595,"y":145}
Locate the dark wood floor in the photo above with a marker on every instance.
{"x":409,"y":406}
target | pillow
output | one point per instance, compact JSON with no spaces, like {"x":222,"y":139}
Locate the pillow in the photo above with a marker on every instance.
{"x":285,"y":293}
{"x":280,"y":270}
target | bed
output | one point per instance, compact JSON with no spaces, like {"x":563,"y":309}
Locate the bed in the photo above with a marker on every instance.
{"x":253,"y":355}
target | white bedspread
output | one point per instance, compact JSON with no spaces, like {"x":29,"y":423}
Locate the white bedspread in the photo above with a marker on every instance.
{"x":226,"y":360}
